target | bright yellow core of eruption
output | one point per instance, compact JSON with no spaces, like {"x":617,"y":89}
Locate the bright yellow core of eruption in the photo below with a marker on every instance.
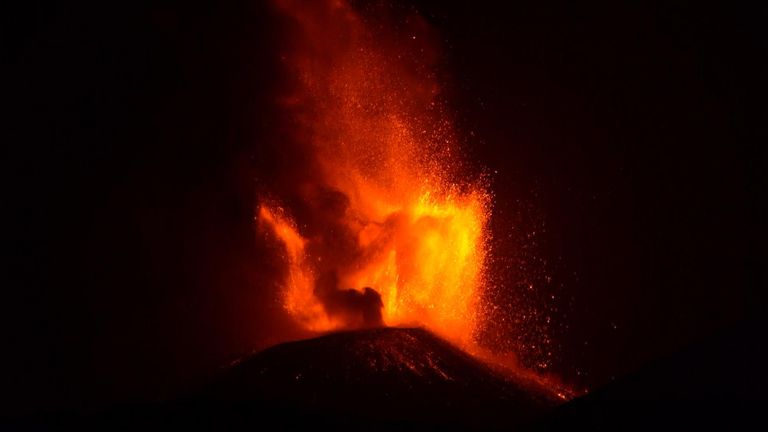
{"x":426,"y":263}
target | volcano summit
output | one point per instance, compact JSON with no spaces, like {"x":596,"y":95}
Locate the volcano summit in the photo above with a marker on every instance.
{"x":373,"y":377}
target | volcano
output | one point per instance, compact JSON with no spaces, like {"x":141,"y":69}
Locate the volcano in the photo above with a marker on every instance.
{"x":399,"y":377}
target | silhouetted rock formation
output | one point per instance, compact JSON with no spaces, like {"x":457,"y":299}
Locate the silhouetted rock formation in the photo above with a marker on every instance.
{"x":377,"y":377}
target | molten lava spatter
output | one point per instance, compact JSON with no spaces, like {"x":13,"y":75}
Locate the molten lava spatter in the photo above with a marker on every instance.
{"x":389,"y":218}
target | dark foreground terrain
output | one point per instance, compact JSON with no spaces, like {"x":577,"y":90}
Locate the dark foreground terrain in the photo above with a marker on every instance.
{"x":409,"y":379}
{"x":384,"y":378}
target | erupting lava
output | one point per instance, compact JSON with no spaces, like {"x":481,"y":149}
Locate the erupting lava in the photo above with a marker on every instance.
{"x":387,"y":229}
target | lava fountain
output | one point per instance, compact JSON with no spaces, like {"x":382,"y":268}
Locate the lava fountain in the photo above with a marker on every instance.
{"x":383,"y":223}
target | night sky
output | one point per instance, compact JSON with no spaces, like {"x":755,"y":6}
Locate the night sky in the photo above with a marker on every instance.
{"x":624,"y":144}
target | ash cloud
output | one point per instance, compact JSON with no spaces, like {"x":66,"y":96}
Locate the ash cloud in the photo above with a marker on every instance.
{"x":331,"y":239}
{"x":357,"y":309}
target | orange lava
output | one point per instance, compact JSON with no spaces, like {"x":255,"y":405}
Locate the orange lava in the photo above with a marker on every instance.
{"x":406,"y":219}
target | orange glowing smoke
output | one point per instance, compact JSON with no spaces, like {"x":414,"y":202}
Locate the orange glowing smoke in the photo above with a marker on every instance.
{"x":389,"y":201}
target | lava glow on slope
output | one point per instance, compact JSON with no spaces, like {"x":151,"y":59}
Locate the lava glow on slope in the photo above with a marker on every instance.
{"x":385,"y":198}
